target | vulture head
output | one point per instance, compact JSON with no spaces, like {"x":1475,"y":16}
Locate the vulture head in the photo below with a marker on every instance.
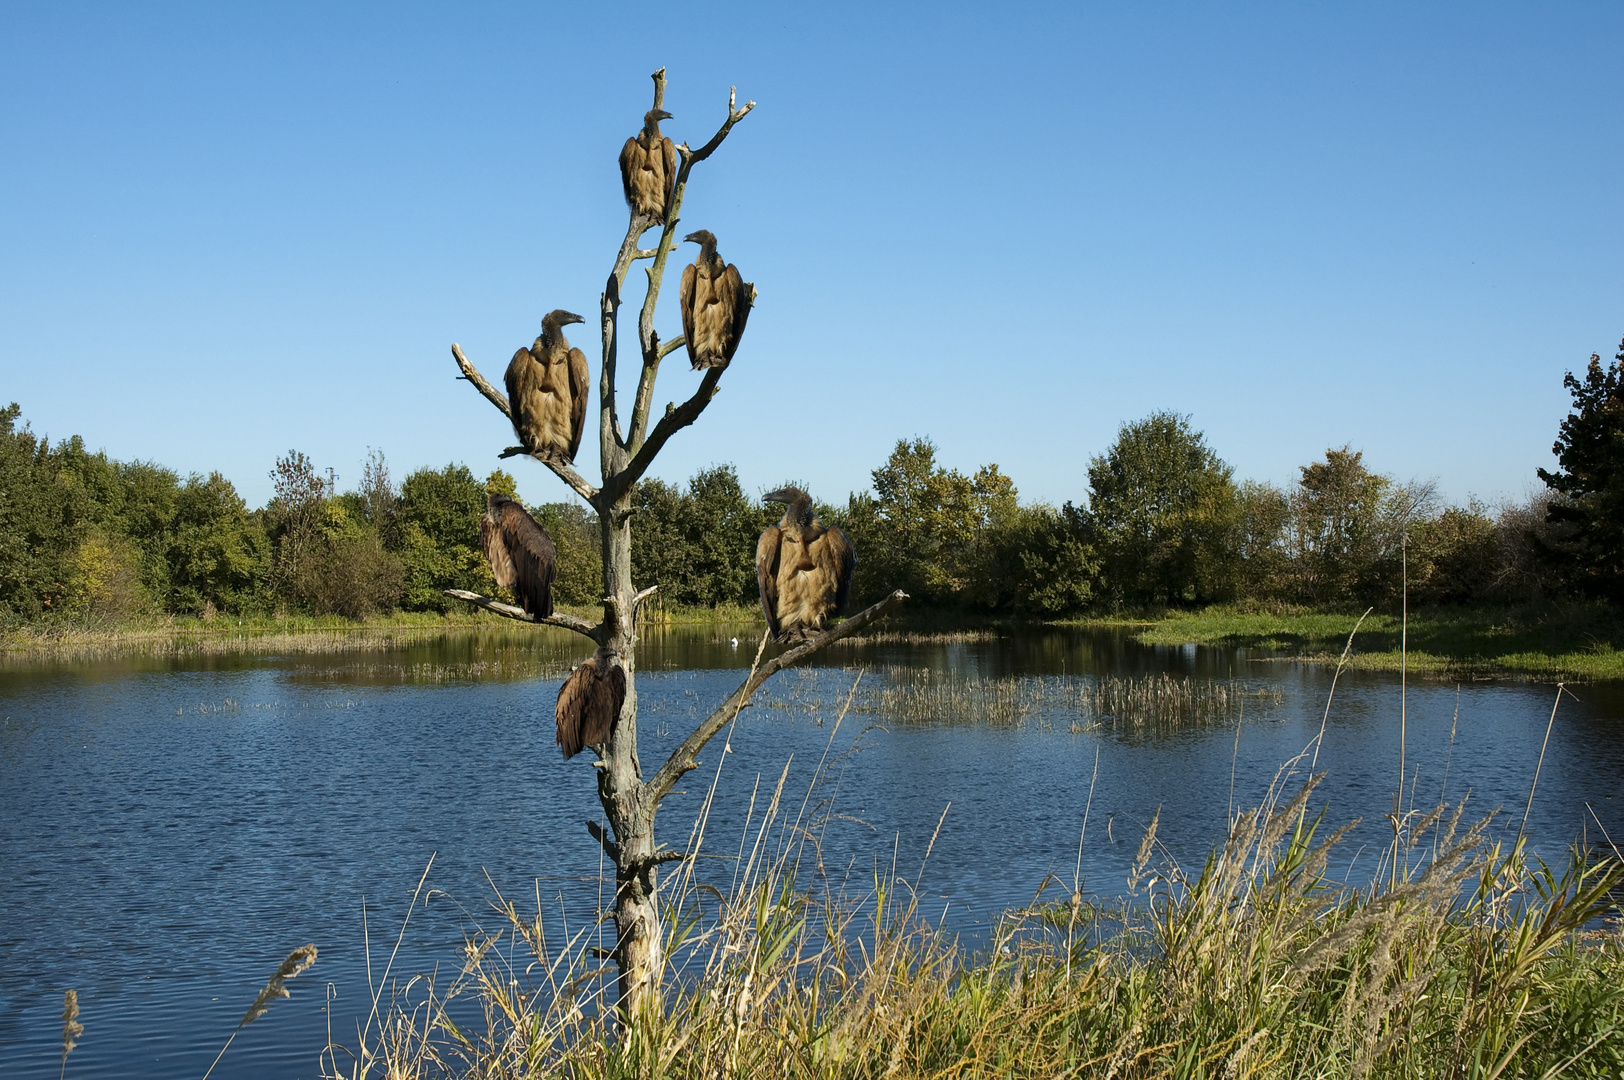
{"x":706,"y":242}
{"x":652,"y":118}
{"x":554,"y":320}
{"x":798,"y":503}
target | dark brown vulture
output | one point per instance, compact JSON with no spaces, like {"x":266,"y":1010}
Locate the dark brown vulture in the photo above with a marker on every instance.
{"x":803,"y":567}
{"x":589,"y":703}
{"x":547,"y":388}
{"x":648,"y":168}
{"x":521,"y":554}
{"x":715,"y":305}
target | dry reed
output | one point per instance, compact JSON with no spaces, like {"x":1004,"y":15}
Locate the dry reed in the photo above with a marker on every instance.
{"x":298,"y":960}
{"x":71,"y":1027}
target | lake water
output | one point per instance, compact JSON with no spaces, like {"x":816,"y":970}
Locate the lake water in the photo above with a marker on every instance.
{"x":171,"y":828}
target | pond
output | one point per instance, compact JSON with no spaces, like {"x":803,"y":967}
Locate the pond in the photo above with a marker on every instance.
{"x":171,"y":827}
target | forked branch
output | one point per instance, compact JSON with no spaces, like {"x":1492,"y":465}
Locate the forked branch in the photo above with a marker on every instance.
{"x":564,"y":472}
{"x":508,"y":611}
{"x":682,"y":759}
{"x":672,"y":422}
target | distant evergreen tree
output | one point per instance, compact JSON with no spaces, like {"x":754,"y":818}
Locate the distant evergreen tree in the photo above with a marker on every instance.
{"x":1590,"y":450}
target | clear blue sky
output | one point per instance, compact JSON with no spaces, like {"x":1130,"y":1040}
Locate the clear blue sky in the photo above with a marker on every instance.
{"x":230,"y":230}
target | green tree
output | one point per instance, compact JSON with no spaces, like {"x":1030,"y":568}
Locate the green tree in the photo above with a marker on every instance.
{"x":574,"y":529}
{"x":917,"y":531}
{"x":1589,"y":449}
{"x":36,"y":534}
{"x":217,"y":553}
{"x":439,"y":522}
{"x":1348,"y":529}
{"x":1164,"y":509}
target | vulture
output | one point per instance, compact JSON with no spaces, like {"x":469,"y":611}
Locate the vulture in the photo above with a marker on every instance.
{"x":715,"y":304}
{"x":589,"y":703}
{"x":547,"y":389}
{"x":803,"y":567}
{"x":521,"y":554}
{"x":648,"y":168}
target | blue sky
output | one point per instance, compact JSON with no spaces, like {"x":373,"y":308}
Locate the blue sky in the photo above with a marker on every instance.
{"x":231,"y":230}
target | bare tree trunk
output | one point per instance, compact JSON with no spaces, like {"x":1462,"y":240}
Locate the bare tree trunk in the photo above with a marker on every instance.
{"x":629,"y":801}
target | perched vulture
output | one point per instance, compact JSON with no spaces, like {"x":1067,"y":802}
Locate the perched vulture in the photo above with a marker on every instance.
{"x":589,"y":703}
{"x":715,"y":304}
{"x":648,"y":168}
{"x":521,"y":554}
{"x":547,"y":388}
{"x":803,"y":567}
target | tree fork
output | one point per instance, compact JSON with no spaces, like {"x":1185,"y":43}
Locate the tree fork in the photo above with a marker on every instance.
{"x":629,"y":801}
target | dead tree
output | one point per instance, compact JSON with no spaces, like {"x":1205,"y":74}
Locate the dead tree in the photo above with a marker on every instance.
{"x":629,"y":799}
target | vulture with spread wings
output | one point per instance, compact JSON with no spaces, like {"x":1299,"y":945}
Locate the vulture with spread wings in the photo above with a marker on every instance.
{"x":715,"y":304}
{"x":547,"y":391}
{"x":803,"y":568}
{"x":521,"y":554}
{"x":589,"y":703}
{"x":648,"y":168}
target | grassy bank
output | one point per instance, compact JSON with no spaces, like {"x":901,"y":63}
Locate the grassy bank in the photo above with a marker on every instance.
{"x":301,"y":633}
{"x":1464,"y":959}
{"x":1565,"y":641}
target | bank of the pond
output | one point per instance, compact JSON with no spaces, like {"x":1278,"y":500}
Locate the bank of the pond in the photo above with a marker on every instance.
{"x":301,"y":633}
{"x":1560,"y":640}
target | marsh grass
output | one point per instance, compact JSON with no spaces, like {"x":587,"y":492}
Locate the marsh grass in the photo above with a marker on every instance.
{"x":1132,"y":704}
{"x":1566,"y":639}
{"x":297,"y":962}
{"x":1463,"y":957}
{"x":71,"y":1028}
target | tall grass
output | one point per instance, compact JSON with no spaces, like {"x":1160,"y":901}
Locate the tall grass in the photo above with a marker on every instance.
{"x":1462,"y":958}
{"x":1138,"y":704}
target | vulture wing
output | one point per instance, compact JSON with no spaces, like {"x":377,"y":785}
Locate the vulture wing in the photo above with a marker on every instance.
{"x":670,"y":153}
{"x":767,"y":574}
{"x":578,"y":392}
{"x":736,"y":289}
{"x":490,"y":538}
{"x":628,"y":162}
{"x":516,"y":380}
{"x":686,"y":303}
{"x":571,"y":707}
{"x":605,"y":697}
{"x":533,"y":558}
{"x":844,"y":557}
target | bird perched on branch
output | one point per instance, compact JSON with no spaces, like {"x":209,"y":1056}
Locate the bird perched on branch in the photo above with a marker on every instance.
{"x":547,"y":389}
{"x":521,"y":554}
{"x":589,"y":703}
{"x":803,"y":568}
{"x":648,"y":168}
{"x":715,"y":304}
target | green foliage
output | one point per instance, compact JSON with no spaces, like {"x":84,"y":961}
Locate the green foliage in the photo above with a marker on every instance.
{"x":1165,"y":511}
{"x":439,"y":522}
{"x":576,"y":539}
{"x":1590,"y":451}
{"x":37,"y":527}
{"x":698,"y":544}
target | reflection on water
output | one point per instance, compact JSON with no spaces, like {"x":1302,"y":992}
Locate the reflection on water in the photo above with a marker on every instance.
{"x":171,"y":827}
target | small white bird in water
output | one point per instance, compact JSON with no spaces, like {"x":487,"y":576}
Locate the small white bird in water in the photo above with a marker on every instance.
{"x":733,"y":642}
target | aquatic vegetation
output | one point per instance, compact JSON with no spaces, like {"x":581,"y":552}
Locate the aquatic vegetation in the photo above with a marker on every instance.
{"x":1463,"y":958}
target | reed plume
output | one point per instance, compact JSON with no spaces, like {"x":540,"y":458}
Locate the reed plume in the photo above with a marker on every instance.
{"x":71,"y":1027}
{"x":298,"y":960}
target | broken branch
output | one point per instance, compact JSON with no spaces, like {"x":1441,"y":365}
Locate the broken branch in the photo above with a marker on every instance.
{"x":508,"y":611}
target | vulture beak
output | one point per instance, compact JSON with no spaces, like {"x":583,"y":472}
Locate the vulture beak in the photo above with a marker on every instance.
{"x":692,"y":238}
{"x":664,"y":115}
{"x":782,"y":495}
{"x":570,"y":317}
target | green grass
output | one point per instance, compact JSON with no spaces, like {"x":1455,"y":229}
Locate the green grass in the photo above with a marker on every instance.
{"x":1569,"y":640}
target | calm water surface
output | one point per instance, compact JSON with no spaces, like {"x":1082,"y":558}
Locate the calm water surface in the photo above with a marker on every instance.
{"x":171,"y":828}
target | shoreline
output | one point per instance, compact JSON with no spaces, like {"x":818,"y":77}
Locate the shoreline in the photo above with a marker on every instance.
{"x":1574,"y":642}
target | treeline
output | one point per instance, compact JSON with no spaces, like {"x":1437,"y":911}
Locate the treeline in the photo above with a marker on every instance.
{"x":1164,"y":524}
